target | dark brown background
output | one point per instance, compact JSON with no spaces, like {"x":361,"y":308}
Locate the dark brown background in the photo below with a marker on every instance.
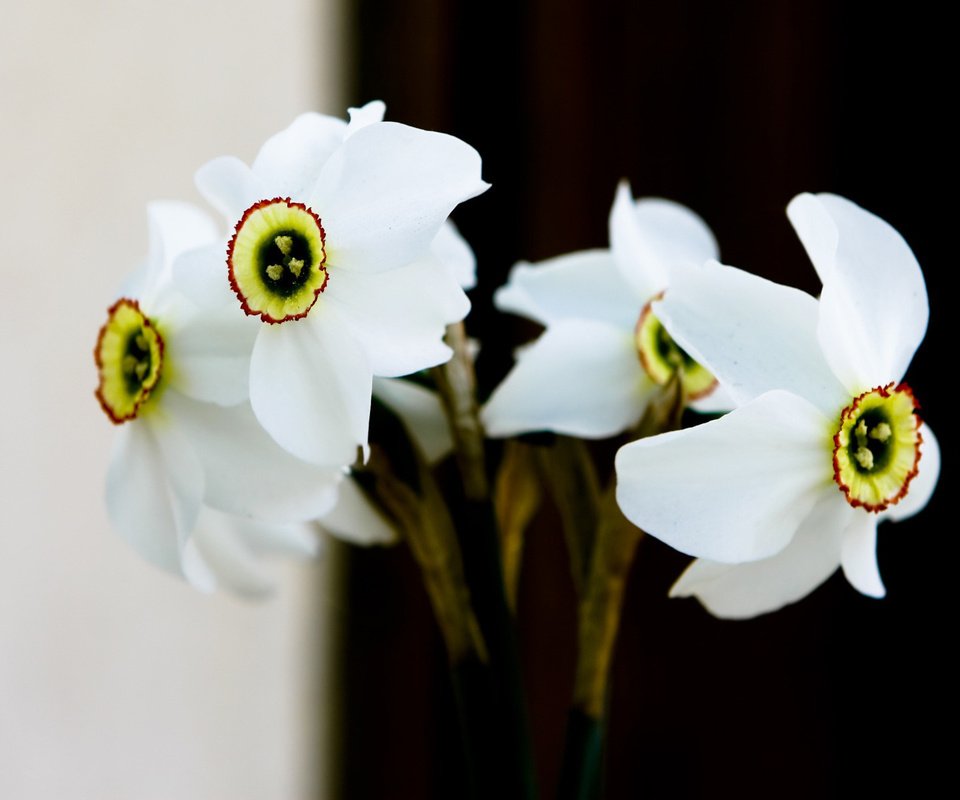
{"x":731,"y":108}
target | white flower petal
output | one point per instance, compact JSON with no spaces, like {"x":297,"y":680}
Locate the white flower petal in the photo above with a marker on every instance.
{"x":421,"y":412}
{"x":752,"y":334}
{"x":208,"y":353}
{"x":173,"y":227}
{"x":310,"y":387}
{"x":719,"y":401}
{"x":741,"y":591}
{"x":229,"y":185}
{"x":247,"y":473}
{"x":452,"y":250}
{"x":202,"y":275}
{"x":923,"y":484}
{"x":154,"y":491}
{"x":734,"y":489}
{"x":858,"y":554}
{"x":290,"y":161}
{"x":583,"y":285}
{"x":354,"y":519}
{"x":231,"y":563}
{"x":581,"y":378}
{"x":365,"y":115}
{"x":873,"y":308}
{"x":383,"y":195}
{"x":649,"y":237}
{"x":296,"y":539}
{"x":176,"y":228}
{"x":399,"y":317}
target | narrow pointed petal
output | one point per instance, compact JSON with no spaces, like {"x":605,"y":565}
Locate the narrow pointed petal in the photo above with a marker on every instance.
{"x":734,"y":489}
{"x":154,"y":491}
{"x":741,"y":591}
{"x":922,"y":486}
{"x":452,"y":250}
{"x":399,"y":317}
{"x":247,"y":472}
{"x":355,"y":520}
{"x":421,"y":412}
{"x":873,"y":307}
{"x":310,"y":387}
{"x":858,"y":554}
{"x":581,"y":378}
{"x":752,"y":334}
{"x":649,"y":237}
{"x":365,"y":115}
{"x":384,"y":194}
{"x":584,"y":285}
{"x":229,"y":185}
{"x":290,"y":161}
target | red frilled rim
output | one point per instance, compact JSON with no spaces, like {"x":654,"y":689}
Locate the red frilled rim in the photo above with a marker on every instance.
{"x":288,"y":202}
{"x":135,"y":305}
{"x":848,"y":413}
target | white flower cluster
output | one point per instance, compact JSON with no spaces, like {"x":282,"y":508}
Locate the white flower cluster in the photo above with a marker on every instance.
{"x":824,"y":440}
{"x":240,"y":360}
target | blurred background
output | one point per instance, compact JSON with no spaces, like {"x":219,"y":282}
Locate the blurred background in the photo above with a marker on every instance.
{"x":117,"y":681}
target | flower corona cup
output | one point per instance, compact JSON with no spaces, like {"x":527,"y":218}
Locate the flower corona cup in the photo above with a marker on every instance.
{"x":277,"y":260}
{"x":129,"y":355}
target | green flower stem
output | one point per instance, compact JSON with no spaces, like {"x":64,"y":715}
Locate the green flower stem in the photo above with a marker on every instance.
{"x":496,"y":690}
{"x":601,"y":605}
{"x":580,"y":777}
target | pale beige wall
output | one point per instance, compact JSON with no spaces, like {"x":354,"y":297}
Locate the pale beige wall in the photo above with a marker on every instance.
{"x":116,"y":681}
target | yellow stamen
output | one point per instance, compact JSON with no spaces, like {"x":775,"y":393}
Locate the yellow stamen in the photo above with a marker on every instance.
{"x":284,"y":244}
{"x":275,"y":271}
{"x":864,"y":457}
{"x":296,"y":266}
{"x":881,"y":432}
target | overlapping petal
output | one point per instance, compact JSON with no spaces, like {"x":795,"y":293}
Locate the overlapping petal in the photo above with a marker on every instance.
{"x":354,"y":519}
{"x":581,"y":377}
{"x":398,"y":317}
{"x":249,"y":474}
{"x":649,"y":238}
{"x":229,"y":185}
{"x":734,"y":489}
{"x":421,"y":412}
{"x":310,"y":387}
{"x":290,"y":161}
{"x":385,"y":192}
{"x":740,"y":591}
{"x":155,"y":487}
{"x":760,"y":336}
{"x":233,"y":548}
{"x":584,"y":285}
{"x":452,"y":250}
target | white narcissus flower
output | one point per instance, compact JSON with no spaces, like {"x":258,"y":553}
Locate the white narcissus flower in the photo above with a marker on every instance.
{"x":826,"y":441}
{"x":332,"y":228}
{"x":173,"y":378}
{"x":604,"y":355}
